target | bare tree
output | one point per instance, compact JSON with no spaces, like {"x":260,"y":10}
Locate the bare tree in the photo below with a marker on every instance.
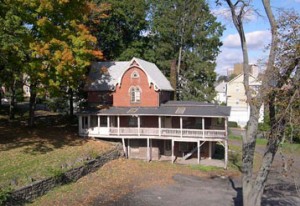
{"x":275,"y":77}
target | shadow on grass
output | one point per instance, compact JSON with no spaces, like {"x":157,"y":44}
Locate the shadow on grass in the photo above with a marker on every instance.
{"x":52,"y":133}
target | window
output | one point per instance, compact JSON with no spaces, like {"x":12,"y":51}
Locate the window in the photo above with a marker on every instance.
{"x":135,"y":95}
{"x":133,"y":122}
{"x":135,"y":75}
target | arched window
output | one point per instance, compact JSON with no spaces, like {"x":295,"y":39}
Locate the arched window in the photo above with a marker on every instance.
{"x":135,"y":75}
{"x":135,"y":94}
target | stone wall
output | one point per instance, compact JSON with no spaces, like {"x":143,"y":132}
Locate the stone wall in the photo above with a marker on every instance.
{"x":39,"y":188}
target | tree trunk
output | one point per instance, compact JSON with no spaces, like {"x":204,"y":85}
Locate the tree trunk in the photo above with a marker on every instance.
{"x":32,"y":100}
{"x":12,"y":101}
{"x":0,"y":95}
{"x":71,"y":94}
{"x":173,"y":77}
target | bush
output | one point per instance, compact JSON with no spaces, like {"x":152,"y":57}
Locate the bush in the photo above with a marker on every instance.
{"x":233,"y":124}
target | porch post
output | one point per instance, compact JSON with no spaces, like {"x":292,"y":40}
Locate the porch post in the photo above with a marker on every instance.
{"x":226,"y":127}
{"x":80,"y":124}
{"x":89,"y":121}
{"x":198,"y":151}
{"x":209,"y":150}
{"x":226,"y":153}
{"x":108,"y":124}
{"x":148,"y":149}
{"x":124,"y":147}
{"x":181,"y":127}
{"x":118,"y":120}
{"x":203,"y":127}
{"x":139,"y":122}
{"x":172,"y":151}
{"x":128,"y":148}
{"x":98,"y":124}
{"x":159,"y":126}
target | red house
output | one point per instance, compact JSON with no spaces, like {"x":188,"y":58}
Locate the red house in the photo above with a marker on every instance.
{"x":130,"y":101}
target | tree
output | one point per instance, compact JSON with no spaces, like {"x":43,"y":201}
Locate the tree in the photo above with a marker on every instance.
{"x":61,"y":46}
{"x":282,"y":65}
{"x":120,"y":31}
{"x":186,"y":31}
{"x":13,"y":48}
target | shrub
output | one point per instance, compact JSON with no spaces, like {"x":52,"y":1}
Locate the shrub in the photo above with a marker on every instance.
{"x":232,"y":124}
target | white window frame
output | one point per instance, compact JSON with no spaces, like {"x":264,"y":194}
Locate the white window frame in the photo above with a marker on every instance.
{"x":135,"y":75}
{"x":135,"y":94}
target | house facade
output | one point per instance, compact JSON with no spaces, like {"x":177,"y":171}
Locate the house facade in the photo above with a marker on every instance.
{"x":221,"y":90}
{"x":237,"y":100}
{"x":130,"y":102}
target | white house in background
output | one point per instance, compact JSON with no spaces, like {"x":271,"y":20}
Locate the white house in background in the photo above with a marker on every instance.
{"x":221,"y":90}
{"x":236,"y":99}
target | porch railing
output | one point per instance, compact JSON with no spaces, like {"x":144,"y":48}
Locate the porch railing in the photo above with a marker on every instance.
{"x":164,"y":132}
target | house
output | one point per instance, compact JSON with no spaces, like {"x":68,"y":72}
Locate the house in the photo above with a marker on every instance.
{"x":237,"y":100}
{"x":221,"y":90}
{"x":130,"y":102}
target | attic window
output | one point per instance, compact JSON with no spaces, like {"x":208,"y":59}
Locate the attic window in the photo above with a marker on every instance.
{"x":135,"y":75}
{"x":180,"y":110}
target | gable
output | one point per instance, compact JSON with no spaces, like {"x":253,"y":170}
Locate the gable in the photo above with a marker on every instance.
{"x":105,"y":76}
{"x":154,"y":75}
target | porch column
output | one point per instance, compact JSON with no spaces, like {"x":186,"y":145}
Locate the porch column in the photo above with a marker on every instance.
{"x":89,"y":121}
{"x":108,"y":124}
{"x":98,"y":125}
{"x":159,"y":126}
{"x":128,"y":148}
{"x":172,"y":152}
{"x":226,"y":127}
{"x":181,"y":127}
{"x":80,"y":124}
{"x":209,"y":150}
{"x":203,"y":127}
{"x":148,"y":149}
{"x":226,"y":153}
{"x":124,"y":147}
{"x":198,"y":152}
{"x":118,"y":122}
{"x":139,"y":124}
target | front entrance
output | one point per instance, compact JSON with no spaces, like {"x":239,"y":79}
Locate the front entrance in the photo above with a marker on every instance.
{"x":104,"y":129}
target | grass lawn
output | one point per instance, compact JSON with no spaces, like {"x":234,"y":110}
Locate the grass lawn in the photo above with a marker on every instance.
{"x":33,"y":154}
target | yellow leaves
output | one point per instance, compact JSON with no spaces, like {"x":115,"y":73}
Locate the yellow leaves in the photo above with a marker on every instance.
{"x":63,"y":1}
{"x":43,"y":21}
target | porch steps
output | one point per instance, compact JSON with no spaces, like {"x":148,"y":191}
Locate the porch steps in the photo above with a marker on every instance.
{"x":190,"y":153}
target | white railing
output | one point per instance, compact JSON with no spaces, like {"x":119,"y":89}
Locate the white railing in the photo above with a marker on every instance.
{"x":167,"y":132}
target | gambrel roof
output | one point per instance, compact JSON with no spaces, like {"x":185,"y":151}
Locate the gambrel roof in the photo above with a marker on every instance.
{"x":105,"y":76}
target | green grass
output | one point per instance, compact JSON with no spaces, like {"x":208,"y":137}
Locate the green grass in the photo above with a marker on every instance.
{"x":28,"y":155}
{"x":204,"y":168}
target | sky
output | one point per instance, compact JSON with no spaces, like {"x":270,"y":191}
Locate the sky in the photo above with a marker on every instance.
{"x":257,"y":31}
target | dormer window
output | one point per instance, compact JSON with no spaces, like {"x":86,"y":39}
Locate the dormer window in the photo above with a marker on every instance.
{"x":135,"y":75}
{"x":135,"y":95}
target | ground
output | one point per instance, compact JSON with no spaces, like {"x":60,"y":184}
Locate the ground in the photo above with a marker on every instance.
{"x":135,"y":182}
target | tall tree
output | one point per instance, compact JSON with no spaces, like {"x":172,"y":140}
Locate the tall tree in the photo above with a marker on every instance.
{"x":282,"y":65}
{"x":120,"y":33}
{"x":13,"y":48}
{"x":186,"y":31}
{"x":61,"y":45}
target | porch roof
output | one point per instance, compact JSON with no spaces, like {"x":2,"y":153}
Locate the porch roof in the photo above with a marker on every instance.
{"x":172,"y":108}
